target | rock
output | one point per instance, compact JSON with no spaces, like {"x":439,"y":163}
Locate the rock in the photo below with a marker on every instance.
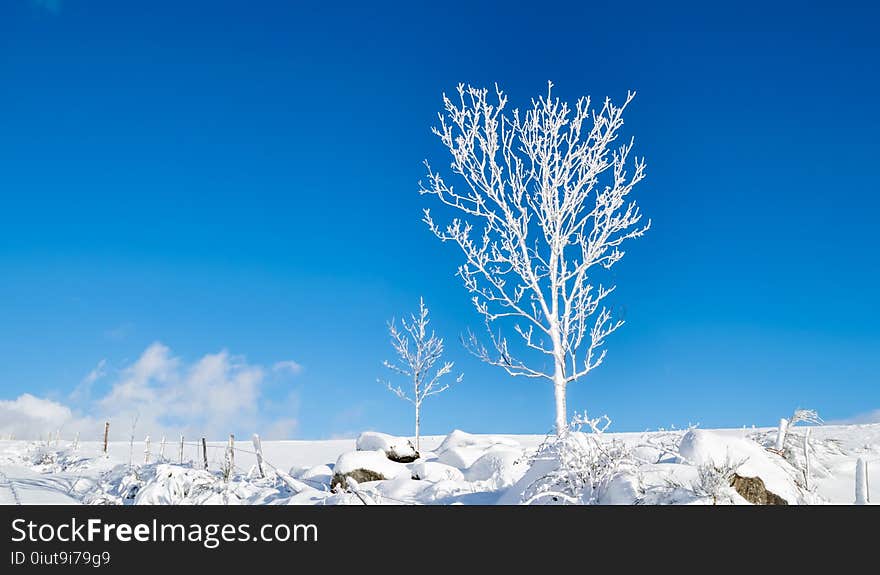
{"x":754,"y":491}
{"x":359,"y":475}
{"x":745,"y":458}
{"x":365,"y":466}
{"x":397,"y":449}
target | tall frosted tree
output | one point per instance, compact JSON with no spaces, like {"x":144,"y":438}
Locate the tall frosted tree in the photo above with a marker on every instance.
{"x":418,"y":351}
{"x":542,"y":202}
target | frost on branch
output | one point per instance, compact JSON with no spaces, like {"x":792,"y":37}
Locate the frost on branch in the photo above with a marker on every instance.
{"x":417,"y":353}
{"x":542,"y":208}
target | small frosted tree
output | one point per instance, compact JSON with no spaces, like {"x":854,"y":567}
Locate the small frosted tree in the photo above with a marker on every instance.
{"x":547,"y":193}
{"x":418,"y":351}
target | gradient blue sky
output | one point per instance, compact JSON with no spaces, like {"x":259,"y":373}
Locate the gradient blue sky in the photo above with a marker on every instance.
{"x":243,"y":175}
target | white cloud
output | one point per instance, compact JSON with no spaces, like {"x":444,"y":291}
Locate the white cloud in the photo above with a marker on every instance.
{"x":29,"y":417}
{"x":867,"y":417}
{"x":216,"y":395}
{"x":289,"y":366}
{"x":84,"y":390}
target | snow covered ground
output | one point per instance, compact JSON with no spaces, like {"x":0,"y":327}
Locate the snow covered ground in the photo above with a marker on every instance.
{"x":664,"y":467}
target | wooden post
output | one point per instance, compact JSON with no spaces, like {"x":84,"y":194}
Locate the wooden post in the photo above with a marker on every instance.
{"x":147,"y":449}
{"x":258,"y":449}
{"x":807,"y":459}
{"x":76,"y":441}
{"x":162,"y":449}
{"x":106,"y":433}
{"x":780,"y":435}
{"x":205,"y":452}
{"x":181,"y":450}
{"x":862,"y":482}
{"x":230,"y":456}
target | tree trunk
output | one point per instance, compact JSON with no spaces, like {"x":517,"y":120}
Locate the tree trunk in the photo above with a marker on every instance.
{"x":559,"y":382}
{"x":417,"y":426}
{"x":559,"y":394}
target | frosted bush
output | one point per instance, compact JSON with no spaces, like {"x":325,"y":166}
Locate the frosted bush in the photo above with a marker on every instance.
{"x":574,"y":466}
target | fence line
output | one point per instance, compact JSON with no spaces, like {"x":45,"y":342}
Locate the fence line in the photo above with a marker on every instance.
{"x":228,"y":450}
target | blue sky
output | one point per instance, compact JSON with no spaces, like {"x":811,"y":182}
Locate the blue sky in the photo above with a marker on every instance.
{"x":242,"y":178}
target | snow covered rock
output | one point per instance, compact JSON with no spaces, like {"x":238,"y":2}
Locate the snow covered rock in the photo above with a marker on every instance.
{"x":460,"y":449}
{"x":434,"y":471}
{"x":363,"y":466}
{"x":313,"y":475}
{"x":747,"y":460}
{"x":500,"y":463}
{"x":397,"y":449}
{"x":623,"y":489}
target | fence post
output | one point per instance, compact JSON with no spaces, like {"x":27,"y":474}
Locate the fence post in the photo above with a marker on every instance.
{"x":780,"y":435}
{"x":106,"y":432}
{"x":258,"y":449}
{"x":147,"y":449}
{"x":76,"y":441}
{"x":181,"y":450}
{"x":861,"y":482}
{"x":807,"y":459}
{"x":230,"y":456}
{"x":205,"y":453}
{"x":162,"y":449}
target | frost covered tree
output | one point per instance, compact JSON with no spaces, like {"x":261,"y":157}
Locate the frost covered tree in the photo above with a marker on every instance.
{"x":418,"y":351}
{"x":542,"y":207}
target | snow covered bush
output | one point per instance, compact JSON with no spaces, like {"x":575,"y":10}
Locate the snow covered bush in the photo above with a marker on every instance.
{"x":175,"y":485}
{"x":715,"y":480}
{"x":575,"y":467}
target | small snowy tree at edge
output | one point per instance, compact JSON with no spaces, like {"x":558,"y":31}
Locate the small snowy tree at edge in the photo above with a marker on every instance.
{"x":418,"y":351}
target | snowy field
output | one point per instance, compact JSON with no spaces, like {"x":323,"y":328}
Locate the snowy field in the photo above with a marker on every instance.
{"x":665,"y":467}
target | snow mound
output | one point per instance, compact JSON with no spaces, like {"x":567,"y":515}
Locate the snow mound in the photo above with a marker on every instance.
{"x":700,"y":447}
{"x":500,"y":464}
{"x":460,"y":449}
{"x":434,"y":471}
{"x":623,"y":489}
{"x":397,"y":449}
{"x":318,"y":474}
